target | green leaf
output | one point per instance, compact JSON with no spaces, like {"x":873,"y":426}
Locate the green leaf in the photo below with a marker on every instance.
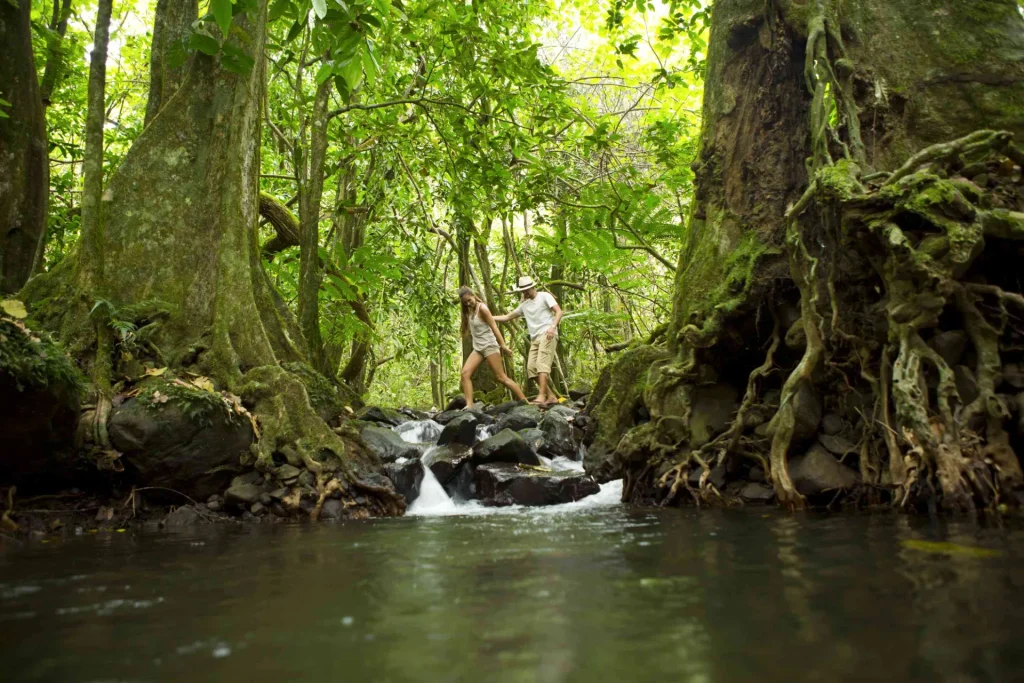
{"x":177,"y":55}
{"x":222,"y":15}
{"x":352,"y":72}
{"x":236,"y":60}
{"x":278,"y":9}
{"x":204,"y":43}
{"x":320,"y":7}
{"x":325,"y":71}
{"x":14,"y":308}
{"x":4,"y":102}
{"x":369,"y":67}
{"x":294,"y":31}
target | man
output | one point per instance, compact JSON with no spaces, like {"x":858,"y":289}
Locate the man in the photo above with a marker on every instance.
{"x":542,"y":315}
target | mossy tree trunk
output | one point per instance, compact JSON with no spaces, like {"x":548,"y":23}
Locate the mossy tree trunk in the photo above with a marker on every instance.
{"x":827,"y":211}
{"x":178,"y":247}
{"x":24,"y":167}
{"x":167,"y":64}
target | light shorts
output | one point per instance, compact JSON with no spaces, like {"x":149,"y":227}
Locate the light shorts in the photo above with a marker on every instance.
{"x":542,"y":355}
{"x":489,"y":351}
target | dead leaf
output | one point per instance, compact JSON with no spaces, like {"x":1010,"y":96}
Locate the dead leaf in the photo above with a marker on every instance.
{"x":204,"y":383}
{"x":159,"y":398}
{"x":105,"y":514}
{"x":14,"y":308}
{"x":155,"y":372}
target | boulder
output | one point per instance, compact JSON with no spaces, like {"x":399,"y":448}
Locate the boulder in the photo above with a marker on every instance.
{"x":166,"y":447}
{"x":716,"y":477}
{"x":287,"y":474}
{"x":832,"y":424}
{"x":950,"y":345}
{"x":966,"y":384}
{"x":713,"y":408}
{"x":182,"y":517}
{"x":756,"y":493}
{"x":446,"y":461}
{"x":407,"y":476}
{"x":837,"y":445}
{"x":557,"y":436}
{"x":461,"y":430}
{"x":414,"y":414}
{"x":818,"y":471}
{"x":384,"y":416}
{"x":807,"y":413}
{"x":447,"y":416}
{"x":522,"y":417}
{"x":568,"y":412}
{"x":1013,"y":376}
{"x":387,"y":445}
{"x":503,"y":484}
{"x":419,"y":431}
{"x":502,"y":408}
{"x":533,"y":437}
{"x":506,"y":446}
{"x":242,"y":495}
{"x":580,"y":391}
{"x":457,"y":403}
{"x":331,"y":509}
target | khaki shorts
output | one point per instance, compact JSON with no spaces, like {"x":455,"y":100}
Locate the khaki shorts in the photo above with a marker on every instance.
{"x":542,"y":354}
{"x":489,"y":351}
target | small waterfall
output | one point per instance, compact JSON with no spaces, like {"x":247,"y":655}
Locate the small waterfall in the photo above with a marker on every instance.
{"x":484,"y":432}
{"x":433,"y":499}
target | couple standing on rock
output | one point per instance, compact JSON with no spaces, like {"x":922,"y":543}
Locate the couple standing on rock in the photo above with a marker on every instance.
{"x":542,"y":315}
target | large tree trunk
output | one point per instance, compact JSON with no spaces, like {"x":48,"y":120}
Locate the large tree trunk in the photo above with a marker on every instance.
{"x":179,"y":250}
{"x":171,"y":27}
{"x":24,"y":168}
{"x":807,"y":228}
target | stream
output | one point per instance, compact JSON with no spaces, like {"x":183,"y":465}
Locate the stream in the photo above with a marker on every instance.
{"x":586,"y":591}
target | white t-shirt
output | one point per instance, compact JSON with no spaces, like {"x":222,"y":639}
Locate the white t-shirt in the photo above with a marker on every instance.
{"x":538,"y":312}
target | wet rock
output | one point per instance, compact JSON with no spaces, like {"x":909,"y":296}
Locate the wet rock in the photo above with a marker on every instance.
{"x":533,"y":437}
{"x":387,"y":445}
{"x":250,"y":477}
{"x":461,"y":430}
{"x":266,"y":499}
{"x":557,"y":436}
{"x":165,"y":447}
{"x":288,"y":473}
{"x":950,"y":345}
{"x":384,"y":416}
{"x":561,"y":409}
{"x":407,"y":476}
{"x":306,"y":479}
{"x":503,"y":408}
{"x":522,"y":417}
{"x":419,"y":431}
{"x":507,"y":447}
{"x":580,"y":391}
{"x":756,"y":493}
{"x":503,"y":484}
{"x":966,"y":384}
{"x":214,"y":505}
{"x":756,"y":474}
{"x":182,"y":517}
{"x":715,"y":478}
{"x":837,"y":445}
{"x":818,"y":471}
{"x":37,"y":427}
{"x":256,"y":508}
{"x":414,"y":414}
{"x":242,"y":495}
{"x":447,"y":416}
{"x":807,"y":413}
{"x":331,"y":509}
{"x":713,"y":408}
{"x":832,"y":424}
{"x":1013,"y":376}
{"x":457,"y":403}
{"x":279,"y":494}
{"x":445,"y":461}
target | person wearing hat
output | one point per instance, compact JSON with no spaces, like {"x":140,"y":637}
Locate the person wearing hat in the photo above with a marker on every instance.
{"x":542,"y":315}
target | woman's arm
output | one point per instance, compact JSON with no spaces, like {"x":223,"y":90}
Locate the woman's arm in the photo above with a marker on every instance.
{"x":485,"y":313}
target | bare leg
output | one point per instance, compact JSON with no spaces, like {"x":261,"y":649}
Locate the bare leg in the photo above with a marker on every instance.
{"x":494,"y":360}
{"x":542,"y":382}
{"x":472,"y":362}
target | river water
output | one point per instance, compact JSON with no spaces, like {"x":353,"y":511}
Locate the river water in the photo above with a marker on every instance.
{"x":592,"y":591}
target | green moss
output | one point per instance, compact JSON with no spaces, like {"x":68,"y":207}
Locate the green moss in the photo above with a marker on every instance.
{"x":839,"y":181}
{"x":35,"y":360}
{"x":327,"y":398}
{"x":198,"y":405}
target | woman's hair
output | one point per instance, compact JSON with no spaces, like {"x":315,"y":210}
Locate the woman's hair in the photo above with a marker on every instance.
{"x":463,"y":291}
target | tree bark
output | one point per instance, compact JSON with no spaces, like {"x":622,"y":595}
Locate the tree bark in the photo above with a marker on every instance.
{"x":56,"y":51}
{"x":24,"y":168}
{"x":171,"y":27}
{"x":837,"y":192}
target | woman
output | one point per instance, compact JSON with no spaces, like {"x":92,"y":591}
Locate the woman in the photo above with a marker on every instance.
{"x":478,"y":323}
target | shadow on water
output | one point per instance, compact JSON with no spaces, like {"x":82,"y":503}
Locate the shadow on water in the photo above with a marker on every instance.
{"x":533,"y":595}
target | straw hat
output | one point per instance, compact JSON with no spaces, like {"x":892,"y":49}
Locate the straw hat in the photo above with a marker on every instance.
{"x":524,"y":283}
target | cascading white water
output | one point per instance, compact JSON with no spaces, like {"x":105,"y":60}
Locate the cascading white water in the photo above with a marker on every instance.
{"x":433,"y":500}
{"x":419,"y":431}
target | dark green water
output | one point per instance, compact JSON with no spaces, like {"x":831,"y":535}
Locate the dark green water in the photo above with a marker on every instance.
{"x":595,"y":594}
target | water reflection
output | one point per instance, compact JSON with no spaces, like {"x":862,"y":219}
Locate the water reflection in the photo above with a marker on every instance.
{"x":612,"y":594}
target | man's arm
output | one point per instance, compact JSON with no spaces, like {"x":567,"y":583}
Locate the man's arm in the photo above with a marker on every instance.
{"x":558,"y":318}
{"x":512,"y":315}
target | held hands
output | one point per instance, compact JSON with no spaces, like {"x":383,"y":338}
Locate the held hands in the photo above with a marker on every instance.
{"x":506,"y":351}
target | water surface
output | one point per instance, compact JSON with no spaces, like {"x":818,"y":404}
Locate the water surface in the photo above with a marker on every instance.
{"x":586,"y":592}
